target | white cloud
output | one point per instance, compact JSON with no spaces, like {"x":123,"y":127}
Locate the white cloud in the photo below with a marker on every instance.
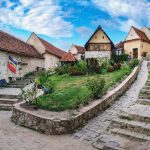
{"x":84,"y":31}
{"x":42,"y":17}
{"x":133,"y":12}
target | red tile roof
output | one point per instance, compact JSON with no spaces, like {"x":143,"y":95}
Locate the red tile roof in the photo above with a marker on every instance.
{"x":14,"y":45}
{"x":80,"y":49}
{"x":141,"y":34}
{"x":52,"y":49}
{"x":120,"y":45}
{"x":68,"y":57}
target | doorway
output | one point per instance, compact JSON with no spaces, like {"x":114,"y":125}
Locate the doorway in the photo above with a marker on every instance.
{"x":135,"y":53}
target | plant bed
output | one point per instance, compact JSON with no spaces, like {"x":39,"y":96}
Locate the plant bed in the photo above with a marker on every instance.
{"x":71,"y":92}
{"x":50,"y":122}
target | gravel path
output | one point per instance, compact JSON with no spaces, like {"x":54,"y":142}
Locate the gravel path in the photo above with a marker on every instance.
{"x":99,"y":124}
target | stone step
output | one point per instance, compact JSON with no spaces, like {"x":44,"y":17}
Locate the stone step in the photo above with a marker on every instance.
{"x":144,"y":96}
{"x":137,"y":112}
{"x":135,"y":136}
{"x":10,"y":96}
{"x":15,"y":86}
{"x":6,"y":107}
{"x":136,"y":126}
{"x":113,"y":142}
{"x":8,"y":101}
{"x":145,"y":91}
{"x":144,"y":101}
{"x":146,"y":87}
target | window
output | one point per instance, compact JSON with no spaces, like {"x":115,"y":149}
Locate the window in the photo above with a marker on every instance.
{"x":95,"y":37}
{"x":103,"y":37}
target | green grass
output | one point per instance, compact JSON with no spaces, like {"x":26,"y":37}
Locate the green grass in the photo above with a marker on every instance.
{"x":71,"y":91}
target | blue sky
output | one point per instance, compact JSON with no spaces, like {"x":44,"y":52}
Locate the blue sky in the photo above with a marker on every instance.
{"x":63,"y":22}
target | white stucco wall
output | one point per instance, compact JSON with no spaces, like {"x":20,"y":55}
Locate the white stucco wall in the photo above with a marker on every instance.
{"x":31,"y":65}
{"x":51,"y":61}
{"x":97,"y":54}
{"x":132,"y":35}
{"x":34,"y":41}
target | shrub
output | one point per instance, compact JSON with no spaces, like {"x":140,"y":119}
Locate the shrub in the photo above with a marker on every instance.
{"x":103,"y":64}
{"x":110,"y":69}
{"x":41,"y":78}
{"x":96,"y":86}
{"x":62,"y":69}
{"x":133,"y":63}
{"x":119,"y":58}
{"x":81,"y":65}
{"x":48,"y":86}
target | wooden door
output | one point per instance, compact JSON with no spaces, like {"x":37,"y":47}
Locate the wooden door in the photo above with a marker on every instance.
{"x":135,"y":53}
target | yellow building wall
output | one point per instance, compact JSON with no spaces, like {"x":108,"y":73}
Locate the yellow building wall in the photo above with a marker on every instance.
{"x":140,"y":45}
{"x":145,"y":47}
{"x":99,"y":37}
{"x":130,"y":45}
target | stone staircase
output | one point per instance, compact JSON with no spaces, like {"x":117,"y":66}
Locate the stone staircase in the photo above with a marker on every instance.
{"x":132,"y":127}
{"x":7,"y":101}
{"x":20,"y":83}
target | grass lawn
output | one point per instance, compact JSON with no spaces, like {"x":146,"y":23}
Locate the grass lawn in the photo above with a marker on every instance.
{"x":71,"y":91}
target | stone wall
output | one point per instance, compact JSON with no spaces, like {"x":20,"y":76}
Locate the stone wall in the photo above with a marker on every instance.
{"x":49,"y":125}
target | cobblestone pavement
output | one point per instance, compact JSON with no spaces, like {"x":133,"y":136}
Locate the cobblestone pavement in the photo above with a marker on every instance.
{"x":14,"y":137}
{"x":99,"y":124}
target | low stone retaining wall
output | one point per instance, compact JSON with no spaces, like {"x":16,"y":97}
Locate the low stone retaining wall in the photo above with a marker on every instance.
{"x":49,"y":125}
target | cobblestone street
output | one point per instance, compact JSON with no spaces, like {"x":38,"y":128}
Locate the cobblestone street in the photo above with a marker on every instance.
{"x":99,"y":124}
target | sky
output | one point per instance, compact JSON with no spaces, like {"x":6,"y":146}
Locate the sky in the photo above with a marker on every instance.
{"x":67,"y":22}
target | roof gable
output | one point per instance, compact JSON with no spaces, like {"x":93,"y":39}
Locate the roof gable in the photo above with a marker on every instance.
{"x":99,"y":38}
{"x":135,"y":33}
{"x":80,"y":49}
{"x":49,"y":48}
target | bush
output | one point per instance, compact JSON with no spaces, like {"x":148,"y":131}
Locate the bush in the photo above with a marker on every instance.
{"x":96,"y":86}
{"x":41,"y":78}
{"x":119,"y":58}
{"x":133,"y":63}
{"x":103,"y":64}
{"x":62,"y":70}
{"x":81,"y":65}
{"x":48,"y":86}
{"x":110,"y":69}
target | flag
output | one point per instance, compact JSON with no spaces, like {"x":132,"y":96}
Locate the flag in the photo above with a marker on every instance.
{"x":12,"y":65}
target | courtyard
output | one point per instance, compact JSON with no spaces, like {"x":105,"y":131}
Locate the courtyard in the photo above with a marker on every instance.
{"x":21,"y":138}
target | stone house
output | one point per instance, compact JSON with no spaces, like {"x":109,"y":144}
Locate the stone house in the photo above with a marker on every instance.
{"x":68,"y":58}
{"x":137,"y":43}
{"x":27,"y":57}
{"x":99,"y":45}
{"x":119,"y":48}
{"x":77,"y":51}
{"x":51,"y":54}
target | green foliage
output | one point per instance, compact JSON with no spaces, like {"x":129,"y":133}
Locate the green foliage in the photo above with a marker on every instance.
{"x":119,"y":58}
{"x":133,"y":63}
{"x":62,"y":69}
{"x":71,"y":92}
{"x":29,"y":95}
{"x":41,"y":78}
{"x":96,"y":86}
{"x":103,"y":64}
